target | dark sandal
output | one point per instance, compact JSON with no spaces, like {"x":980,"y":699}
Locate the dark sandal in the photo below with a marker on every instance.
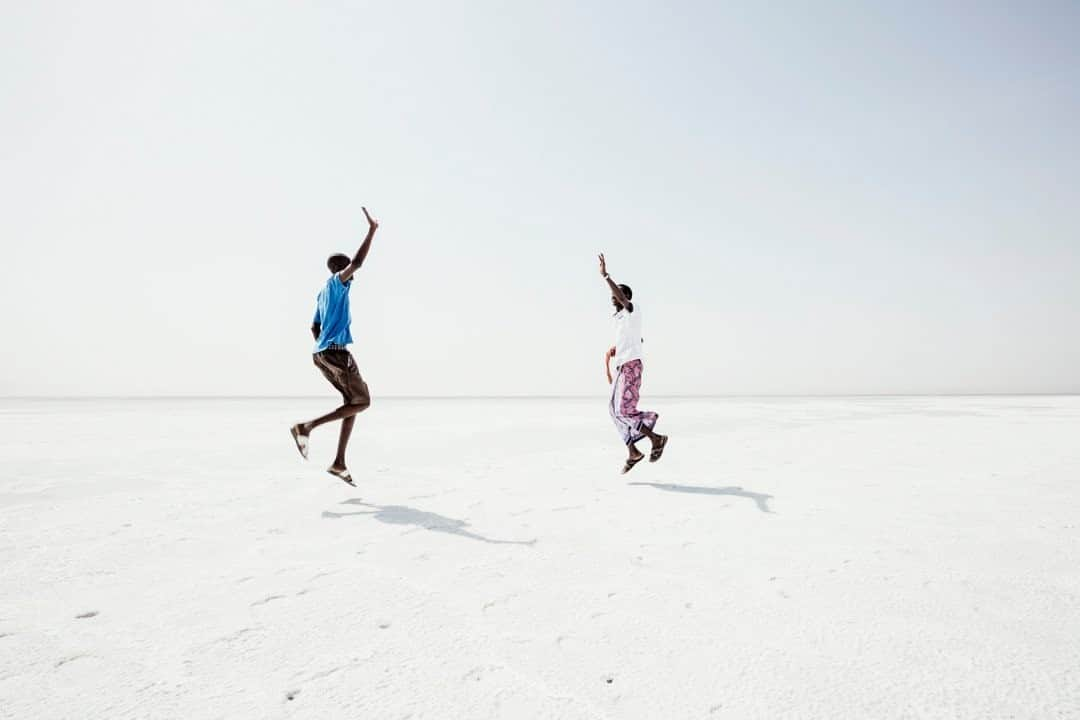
{"x":658,"y":451}
{"x":631,"y":462}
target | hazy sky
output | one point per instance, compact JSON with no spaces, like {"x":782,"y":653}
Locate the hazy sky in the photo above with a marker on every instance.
{"x":837,"y":197}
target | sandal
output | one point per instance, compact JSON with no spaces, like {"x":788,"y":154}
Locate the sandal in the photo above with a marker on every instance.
{"x":631,"y":462}
{"x":658,"y":451}
{"x":300,"y":440}
{"x":344,"y":475}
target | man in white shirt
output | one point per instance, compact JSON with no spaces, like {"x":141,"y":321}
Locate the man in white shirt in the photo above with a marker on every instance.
{"x":632,"y":424}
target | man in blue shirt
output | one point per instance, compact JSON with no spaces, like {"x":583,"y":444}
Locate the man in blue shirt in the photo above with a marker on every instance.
{"x":332,"y":338}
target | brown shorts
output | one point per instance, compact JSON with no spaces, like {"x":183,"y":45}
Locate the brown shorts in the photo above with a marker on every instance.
{"x":340,"y":369}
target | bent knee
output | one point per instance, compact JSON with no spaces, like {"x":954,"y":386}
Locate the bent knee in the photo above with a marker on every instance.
{"x":360,"y":403}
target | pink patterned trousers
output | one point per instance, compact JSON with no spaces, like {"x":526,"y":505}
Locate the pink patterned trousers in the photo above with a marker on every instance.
{"x":625,"y":392}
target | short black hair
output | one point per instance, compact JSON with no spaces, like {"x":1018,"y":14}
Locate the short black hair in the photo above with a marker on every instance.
{"x":627,"y":291}
{"x":337,"y":262}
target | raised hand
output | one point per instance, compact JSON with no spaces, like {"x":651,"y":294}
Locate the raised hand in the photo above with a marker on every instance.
{"x":362,"y":253}
{"x":603,"y":265}
{"x":373,"y":224}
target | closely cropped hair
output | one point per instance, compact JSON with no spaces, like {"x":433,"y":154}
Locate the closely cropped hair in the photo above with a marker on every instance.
{"x":627,"y":291}
{"x":337,"y":263}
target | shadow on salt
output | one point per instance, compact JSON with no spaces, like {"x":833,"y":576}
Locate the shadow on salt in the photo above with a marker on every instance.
{"x":404,"y":515}
{"x":760,"y":499}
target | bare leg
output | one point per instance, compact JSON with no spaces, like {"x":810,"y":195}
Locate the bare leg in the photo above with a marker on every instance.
{"x":655,"y":438}
{"x":343,"y":441}
{"x":345,"y":411}
{"x":634,"y":458}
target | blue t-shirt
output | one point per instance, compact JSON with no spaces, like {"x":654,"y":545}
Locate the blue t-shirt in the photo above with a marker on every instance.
{"x":332,"y":314}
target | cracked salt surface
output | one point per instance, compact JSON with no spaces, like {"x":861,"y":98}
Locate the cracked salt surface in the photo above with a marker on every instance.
{"x":841,"y":558}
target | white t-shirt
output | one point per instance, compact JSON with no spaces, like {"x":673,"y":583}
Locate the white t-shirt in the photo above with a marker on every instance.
{"x":627,"y":336}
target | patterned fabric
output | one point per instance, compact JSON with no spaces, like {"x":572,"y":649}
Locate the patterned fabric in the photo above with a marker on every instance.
{"x":625,"y":392}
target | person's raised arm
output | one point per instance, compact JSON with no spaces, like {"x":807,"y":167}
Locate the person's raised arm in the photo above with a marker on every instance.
{"x":361,"y":254}
{"x":615,"y":289}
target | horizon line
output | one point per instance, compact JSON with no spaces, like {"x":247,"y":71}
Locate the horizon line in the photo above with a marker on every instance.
{"x":671,"y":396}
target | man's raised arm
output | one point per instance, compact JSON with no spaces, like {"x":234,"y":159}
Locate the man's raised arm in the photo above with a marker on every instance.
{"x":615,"y":289}
{"x":358,"y":259}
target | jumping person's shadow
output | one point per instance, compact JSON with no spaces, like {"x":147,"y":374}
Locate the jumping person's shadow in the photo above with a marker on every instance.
{"x":402,"y":515}
{"x":761,"y":499}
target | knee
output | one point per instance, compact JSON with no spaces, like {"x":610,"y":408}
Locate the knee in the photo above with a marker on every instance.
{"x":360,"y":404}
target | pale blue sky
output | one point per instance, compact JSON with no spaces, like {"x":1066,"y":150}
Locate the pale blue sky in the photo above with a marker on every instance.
{"x":807,"y":198}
